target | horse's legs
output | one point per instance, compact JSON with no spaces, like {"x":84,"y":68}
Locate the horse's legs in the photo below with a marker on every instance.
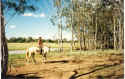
{"x":30,"y":57}
{"x":27,"y":56}
{"x":44,"y":57}
{"x":33,"y":58}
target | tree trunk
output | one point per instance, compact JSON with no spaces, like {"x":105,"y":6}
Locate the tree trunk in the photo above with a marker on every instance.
{"x":105,"y":41}
{"x":61,"y":37}
{"x":72,"y":43}
{"x":4,"y":48}
{"x":79,"y":36}
{"x":58,"y":40}
{"x":101,"y":45}
{"x":120,"y":35}
{"x":59,"y":32}
{"x":72,"y":38}
{"x":84,"y":40}
{"x":122,"y":27}
{"x":96,"y":33}
{"x":114,"y":33}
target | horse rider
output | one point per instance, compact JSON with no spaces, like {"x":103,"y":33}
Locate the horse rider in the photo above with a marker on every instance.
{"x":40,"y":44}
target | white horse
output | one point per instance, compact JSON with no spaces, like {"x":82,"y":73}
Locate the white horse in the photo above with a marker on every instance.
{"x":30,"y":53}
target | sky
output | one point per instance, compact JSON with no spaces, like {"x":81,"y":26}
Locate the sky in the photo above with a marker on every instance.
{"x":35,"y":24}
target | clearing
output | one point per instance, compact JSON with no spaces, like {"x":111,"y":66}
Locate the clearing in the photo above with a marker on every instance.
{"x":67,"y":65}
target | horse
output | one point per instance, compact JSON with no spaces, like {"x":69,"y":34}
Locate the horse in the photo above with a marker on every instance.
{"x":30,"y":53}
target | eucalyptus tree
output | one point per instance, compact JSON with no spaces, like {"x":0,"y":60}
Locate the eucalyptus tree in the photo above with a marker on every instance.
{"x":96,"y":20}
{"x":102,"y":27}
{"x":71,"y":23}
{"x":120,"y":13}
{"x":60,"y":19}
{"x":77,"y":20}
{"x":112,"y":13}
{"x":14,"y":7}
{"x":58,"y":5}
{"x":69,"y":14}
{"x":116,"y":11}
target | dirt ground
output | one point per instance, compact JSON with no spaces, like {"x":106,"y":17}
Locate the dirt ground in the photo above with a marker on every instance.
{"x":71,"y":67}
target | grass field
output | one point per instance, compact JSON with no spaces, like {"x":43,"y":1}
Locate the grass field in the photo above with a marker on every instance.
{"x":91,"y":64}
{"x":23,"y":46}
{"x":107,"y":64}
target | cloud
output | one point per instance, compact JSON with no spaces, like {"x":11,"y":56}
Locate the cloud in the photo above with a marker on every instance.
{"x":42,"y":15}
{"x":34,"y":15}
{"x":27,"y":14}
{"x":12,"y":26}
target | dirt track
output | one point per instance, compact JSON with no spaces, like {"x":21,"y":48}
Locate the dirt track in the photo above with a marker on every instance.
{"x":71,"y":67}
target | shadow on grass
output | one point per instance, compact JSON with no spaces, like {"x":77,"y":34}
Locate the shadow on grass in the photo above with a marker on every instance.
{"x":24,"y":76}
{"x":75,"y":75}
{"x":110,"y":76}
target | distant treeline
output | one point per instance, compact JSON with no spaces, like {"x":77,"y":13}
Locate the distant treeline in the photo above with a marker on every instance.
{"x":30,"y":39}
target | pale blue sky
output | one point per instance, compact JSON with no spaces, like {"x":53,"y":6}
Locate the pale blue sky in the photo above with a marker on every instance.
{"x":35,"y":24}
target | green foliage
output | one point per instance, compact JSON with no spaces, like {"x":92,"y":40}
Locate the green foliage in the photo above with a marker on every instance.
{"x":18,"y":6}
{"x":20,"y":40}
{"x":30,"y":39}
{"x":99,"y":21}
